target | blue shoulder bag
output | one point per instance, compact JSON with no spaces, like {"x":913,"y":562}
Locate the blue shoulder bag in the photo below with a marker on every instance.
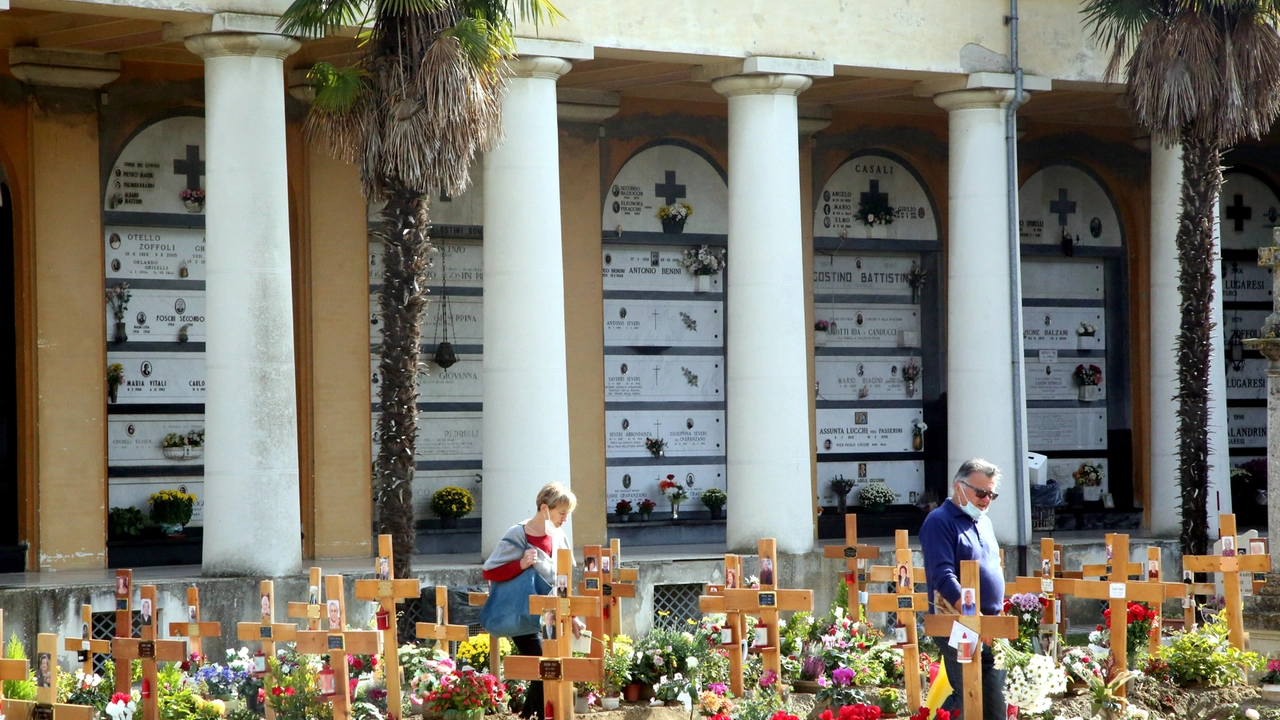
{"x":506,"y":612}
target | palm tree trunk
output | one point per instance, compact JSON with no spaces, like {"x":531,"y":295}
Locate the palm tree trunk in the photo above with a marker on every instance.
{"x":1201,"y":181}
{"x":406,"y":250}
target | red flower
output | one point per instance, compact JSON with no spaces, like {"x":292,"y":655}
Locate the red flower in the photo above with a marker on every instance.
{"x":277,"y":691}
{"x":289,"y":691}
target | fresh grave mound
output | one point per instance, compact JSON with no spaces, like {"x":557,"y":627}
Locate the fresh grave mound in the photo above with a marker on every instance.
{"x":1166,"y":701}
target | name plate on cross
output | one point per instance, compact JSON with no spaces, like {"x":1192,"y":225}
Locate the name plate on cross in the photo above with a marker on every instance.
{"x":336,"y":642}
{"x":550,"y":670}
{"x":42,"y":712}
{"x":264,"y":632}
{"x":146,"y":649}
{"x":767,"y":599}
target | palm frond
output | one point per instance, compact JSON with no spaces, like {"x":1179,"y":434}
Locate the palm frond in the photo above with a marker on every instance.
{"x":1116,"y":24}
{"x":411,"y":7}
{"x":485,"y":44}
{"x":534,"y":11}
{"x":337,"y":89}
{"x":315,"y":17}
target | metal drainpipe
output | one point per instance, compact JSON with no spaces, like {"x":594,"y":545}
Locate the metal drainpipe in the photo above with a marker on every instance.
{"x":1015,"y":294}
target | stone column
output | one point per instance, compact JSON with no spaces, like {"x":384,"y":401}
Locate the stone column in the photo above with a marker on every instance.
{"x":252,"y":522}
{"x":980,"y":369}
{"x":767,"y":423}
{"x":526,"y":416}
{"x":1165,"y":497}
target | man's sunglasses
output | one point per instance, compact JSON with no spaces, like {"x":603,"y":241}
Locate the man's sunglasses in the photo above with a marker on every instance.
{"x":982,"y":494}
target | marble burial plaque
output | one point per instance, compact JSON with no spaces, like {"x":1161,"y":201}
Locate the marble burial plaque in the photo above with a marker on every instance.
{"x":135,"y":492}
{"x":467,"y":327}
{"x":161,"y":161}
{"x":649,"y":267}
{"x":1057,"y":328}
{"x":1067,"y":428}
{"x":661,"y":175}
{"x":870,"y":325}
{"x":1060,"y":471}
{"x":134,"y":440}
{"x":464,"y":261}
{"x":1245,"y":282}
{"x":847,"y":430}
{"x":663,"y":323}
{"x":843,"y":378}
{"x":427,"y":482}
{"x":663,"y":378}
{"x":640,"y":482}
{"x":1247,"y":210}
{"x":1062,"y":279}
{"x":1247,"y":427}
{"x":866,"y":274}
{"x":462,"y":382}
{"x":1246,"y":322}
{"x":874,"y":179}
{"x":444,"y":436}
{"x":160,"y":315}
{"x":1056,"y":380}
{"x":150,"y":253}
{"x":1061,"y":198}
{"x":1248,"y":383}
{"x":904,"y":477}
{"x":687,"y":432}
{"x":153,"y":377}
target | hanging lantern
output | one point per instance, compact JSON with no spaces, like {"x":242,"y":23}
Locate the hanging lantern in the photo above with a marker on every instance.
{"x":384,"y":619}
{"x":325,"y":677}
{"x":1235,"y":350}
{"x":900,"y":634}
{"x":259,"y":663}
{"x":762,"y":635}
{"x":445,"y":356}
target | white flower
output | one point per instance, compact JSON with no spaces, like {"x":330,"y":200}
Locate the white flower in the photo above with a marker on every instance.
{"x":692,"y":663}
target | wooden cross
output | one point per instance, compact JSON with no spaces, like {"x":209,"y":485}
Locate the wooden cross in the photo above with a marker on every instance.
{"x":734,"y":630}
{"x":614,"y":584}
{"x":1118,"y":567}
{"x":337,"y":642}
{"x":85,"y":647}
{"x":1119,"y":593}
{"x":984,"y":628}
{"x":855,"y":564}
{"x":1154,"y":575}
{"x":46,"y":705}
{"x":440,"y":630}
{"x":193,"y":628}
{"x":1043,"y":583}
{"x":1230,"y":566}
{"x":313,"y":608}
{"x":124,"y":624}
{"x":1253,"y":580}
{"x":765,"y":603}
{"x":556,"y":667}
{"x":267,"y":632}
{"x":478,"y":599}
{"x":906,"y":602}
{"x":149,"y":650}
{"x":388,"y":593}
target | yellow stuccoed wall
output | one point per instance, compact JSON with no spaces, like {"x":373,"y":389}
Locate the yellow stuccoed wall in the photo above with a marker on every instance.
{"x":70,"y":330}
{"x":584,"y":326}
{"x":339,"y":378}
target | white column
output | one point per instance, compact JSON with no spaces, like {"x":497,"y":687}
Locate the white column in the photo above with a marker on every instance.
{"x":526,"y":406}
{"x":980,"y":370}
{"x":766,"y":366}
{"x":252,"y":520}
{"x":1165,"y":304}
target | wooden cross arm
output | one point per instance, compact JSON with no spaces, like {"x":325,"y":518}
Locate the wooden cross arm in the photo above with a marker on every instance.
{"x":987,"y":626}
{"x":1100,"y":569}
{"x":889,"y":573}
{"x":375,"y":590}
{"x":1218,"y":564}
{"x":302,"y":610}
{"x":713,"y":604}
{"x":99,"y":647}
{"x":621,"y":590}
{"x":881,"y":602}
{"x":171,"y":650}
{"x":433,"y":631}
{"x":748,"y":600}
{"x":130,"y":649}
{"x":477,"y":599}
{"x":860,"y":552}
{"x":628,"y":575}
{"x":280,"y":632}
{"x":529,"y":667}
{"x":202,"y":629}
{"x":355,"y":642}
{"x":578,"y":605}
{"x":1150,"y":593}
{"x":14,"y":669}
{"x":24,"y":709}
{"x":1033,"y":585}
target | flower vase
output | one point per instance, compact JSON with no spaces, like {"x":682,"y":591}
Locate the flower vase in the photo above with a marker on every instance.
{"x":911,"y":388}
{"x":610,"y":703}
{"x":842,"y":504}
{"x":1088,"y":393}
{"x":193,"y":206}
{"x":701,"y":283}
{"x":580,"y":705}
{"x":820,"y":338}
{"x":624,"y":517}
{"x":675,"y":511}
{"x":917,"y":442}
{"x":1092,"y":493}
{"x":644,"y":517}
{"x":113,"y":391}
{"x":717,"y":513}
{"x":1086,"y":342}
{"x":121,"y":334}
{"x":631,"y":693}
{"x":809,"y":687}
{"x":673,"y":226}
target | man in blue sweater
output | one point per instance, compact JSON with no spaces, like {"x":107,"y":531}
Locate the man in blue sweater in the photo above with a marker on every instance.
{"x":960,"y":530}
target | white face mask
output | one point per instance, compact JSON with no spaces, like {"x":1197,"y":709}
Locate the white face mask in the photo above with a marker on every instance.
{"x":973,"y":511}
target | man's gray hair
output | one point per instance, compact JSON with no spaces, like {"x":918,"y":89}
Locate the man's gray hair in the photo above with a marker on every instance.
{"x":977,"y":465}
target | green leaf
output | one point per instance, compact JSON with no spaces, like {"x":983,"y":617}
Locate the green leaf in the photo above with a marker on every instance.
{"x":315,"y":17}
{"x":338,"y":90}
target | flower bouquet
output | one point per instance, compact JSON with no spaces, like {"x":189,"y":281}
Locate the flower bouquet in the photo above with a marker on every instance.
{"x":674,"y":216}
{"x":467,"y":694}
{"x":703,"y":260}
{"x":1030,"y":680}
{"x":646,"y":508}
{"x":192,"y":199}
{"x":1029,"y":609}
{"x":675,"y":494}
{"x":910,"y":374}
{"x":171,"y":509}
{"x":875,"y":496}
{"x":121,"y":707}
{"x":1090,"y":378}
{"x":1140,"y":620}
{"x":657,"y":447}
{"x":623,"y":510}
{"x":1088,"y":478}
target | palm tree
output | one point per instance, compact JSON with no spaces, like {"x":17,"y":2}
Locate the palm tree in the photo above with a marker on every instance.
{"x":1204,"y":74}
{"x":421,"y":99}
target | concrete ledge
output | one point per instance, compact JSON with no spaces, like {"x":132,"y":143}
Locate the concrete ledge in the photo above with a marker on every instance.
{"x":63,"y":68}
{"x":981,"y":81}
{"x":764,"y":65}
{"x":537,"y":47}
